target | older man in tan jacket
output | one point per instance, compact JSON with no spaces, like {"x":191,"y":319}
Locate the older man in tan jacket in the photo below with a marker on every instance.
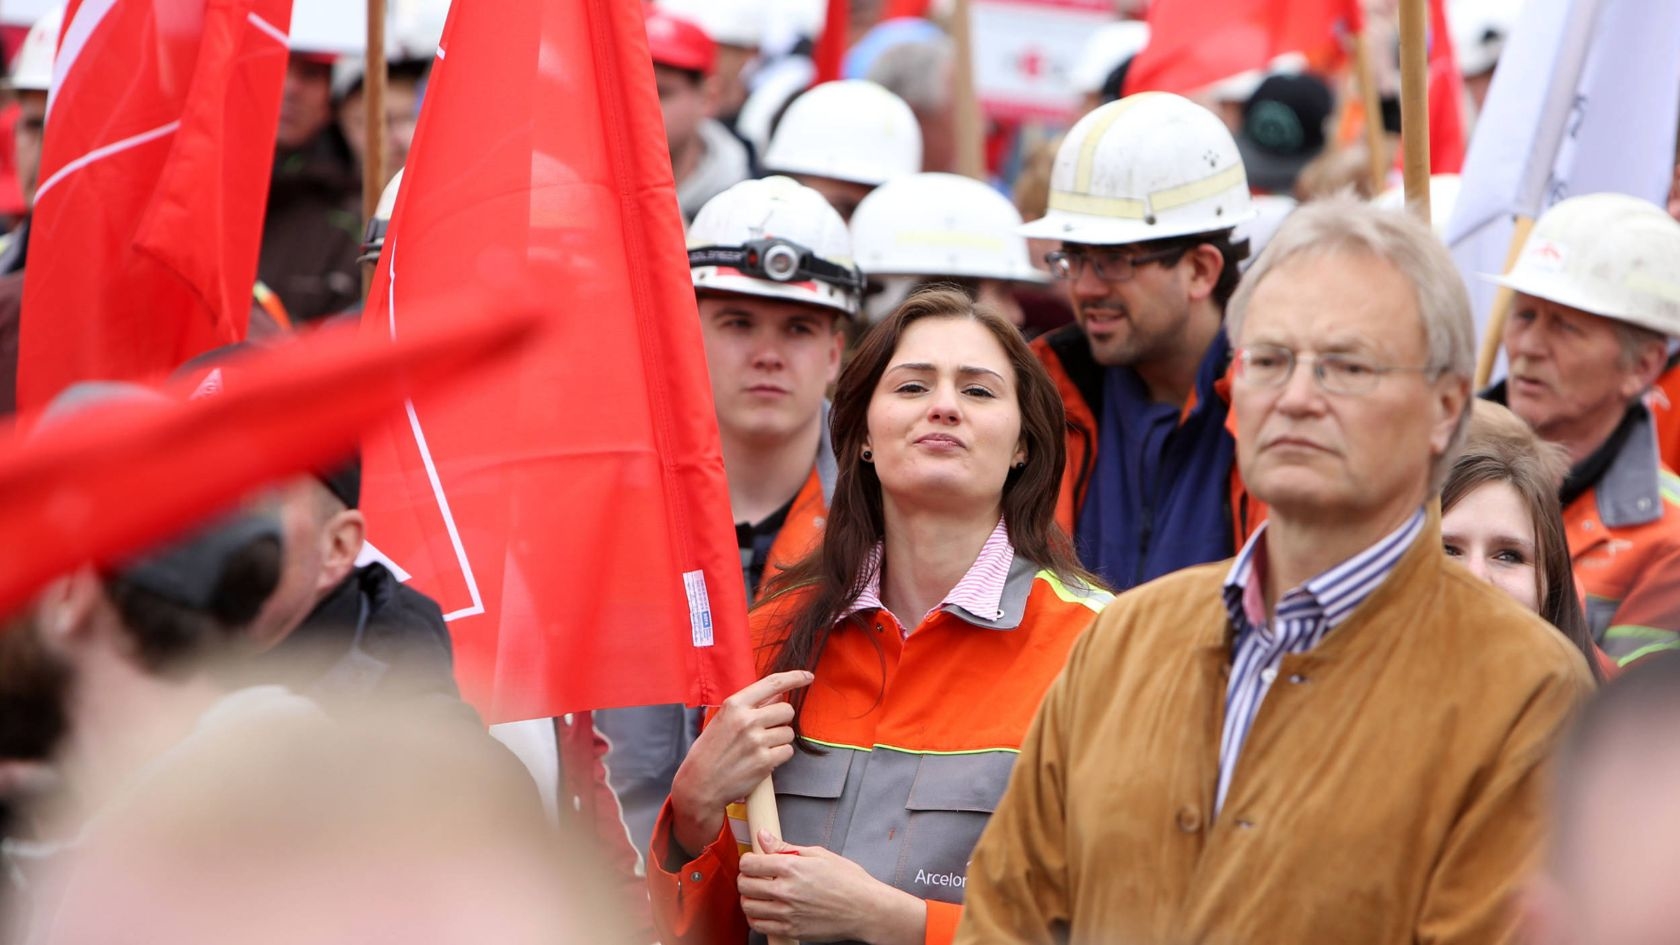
{"x":1339,"y":735}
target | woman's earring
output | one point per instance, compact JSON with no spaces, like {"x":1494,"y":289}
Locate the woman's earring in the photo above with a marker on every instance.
{"x":868,"y":455}
{"x":1021,"y":465}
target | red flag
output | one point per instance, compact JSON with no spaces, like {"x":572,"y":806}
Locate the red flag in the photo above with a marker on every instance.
{"x":830,"y":55}
{"x":154,"y":172}
{"x":111,"y":480}
{"x":1195,"y":43}
{"x":571,"y":517}
{"x":1446,"y":91}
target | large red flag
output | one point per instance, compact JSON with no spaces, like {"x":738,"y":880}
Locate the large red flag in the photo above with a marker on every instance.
{"x":571,"y":517}
{"x":1195,"y":43}
{"x":154,"y":172}
{"x":114,"y":479}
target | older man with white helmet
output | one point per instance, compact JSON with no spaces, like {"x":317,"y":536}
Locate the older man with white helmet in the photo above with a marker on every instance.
{"x":844,"y":139}
{"x":772,"y":268}
{"x":1144,"y":196}
{"x":937,"y":227}
{"x":1597,"y":301}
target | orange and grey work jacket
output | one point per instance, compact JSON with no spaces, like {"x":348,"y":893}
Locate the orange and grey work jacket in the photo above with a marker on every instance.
{"x":918,"y":735}
{"x":1624,"y":539}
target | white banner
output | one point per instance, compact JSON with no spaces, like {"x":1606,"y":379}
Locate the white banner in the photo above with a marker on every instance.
{"x":1586,"y":99}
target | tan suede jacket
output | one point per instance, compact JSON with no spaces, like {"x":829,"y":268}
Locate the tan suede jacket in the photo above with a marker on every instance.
{"x":1387,"y":792}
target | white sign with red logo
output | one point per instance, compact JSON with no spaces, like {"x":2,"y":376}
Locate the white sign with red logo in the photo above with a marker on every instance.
{"x":1025,"y":52}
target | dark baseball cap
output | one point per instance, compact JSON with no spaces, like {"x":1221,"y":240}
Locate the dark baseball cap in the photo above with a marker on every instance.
{"x":1283,"y":129}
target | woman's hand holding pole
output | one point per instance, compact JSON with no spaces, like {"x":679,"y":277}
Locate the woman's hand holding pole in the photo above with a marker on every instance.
{"x":751,"y":736}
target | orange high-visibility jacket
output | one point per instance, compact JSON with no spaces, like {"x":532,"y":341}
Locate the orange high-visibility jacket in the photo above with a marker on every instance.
{"x":1624,"y":539}
{"x":919,"y":735}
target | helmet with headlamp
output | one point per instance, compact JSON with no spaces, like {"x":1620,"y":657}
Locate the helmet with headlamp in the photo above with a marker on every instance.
{"x":775,"y":238}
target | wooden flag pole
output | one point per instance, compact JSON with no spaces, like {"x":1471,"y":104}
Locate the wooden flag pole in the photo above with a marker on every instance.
{"x":762,"y":815}
{"x":373,"y":100}
{"x":1414,"y":103}
{"x":1501,"y":306}
{"x":1366,"y":77}
{"x":969,"y":127}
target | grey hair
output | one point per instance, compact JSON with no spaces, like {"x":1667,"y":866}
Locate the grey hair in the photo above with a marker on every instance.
{"x":1634,"y":339}
{"x":917,"y":72}
{"x":1344,"y":224}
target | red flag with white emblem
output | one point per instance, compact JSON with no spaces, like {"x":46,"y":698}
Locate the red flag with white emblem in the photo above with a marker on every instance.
{"x":154,"y":172}
{"x":571,"y":517}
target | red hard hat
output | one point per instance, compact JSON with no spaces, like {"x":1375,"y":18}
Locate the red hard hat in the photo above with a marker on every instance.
{"x":678,"y":43}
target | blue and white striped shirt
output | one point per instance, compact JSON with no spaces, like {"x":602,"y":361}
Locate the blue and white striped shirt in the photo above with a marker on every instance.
{"x":1304,"y":615}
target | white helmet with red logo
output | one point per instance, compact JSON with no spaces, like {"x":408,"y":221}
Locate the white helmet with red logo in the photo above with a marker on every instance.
{"x":775,"y":238}
{"x":32,"y":67}
{"x":1609,"y":254}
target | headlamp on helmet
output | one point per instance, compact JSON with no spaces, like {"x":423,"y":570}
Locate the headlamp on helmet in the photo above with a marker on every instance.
{"x":778,"y":260}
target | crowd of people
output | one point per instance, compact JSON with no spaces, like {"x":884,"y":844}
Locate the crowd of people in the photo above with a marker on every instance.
{"x":1133,"y":559}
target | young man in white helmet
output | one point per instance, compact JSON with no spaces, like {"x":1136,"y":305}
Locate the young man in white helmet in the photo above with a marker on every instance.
{"x":1144,"y":195}
{"x":844,"y":139}
{"x":772,"y":268}
{"x":937,"y":227}
{"x":1597,"y":301}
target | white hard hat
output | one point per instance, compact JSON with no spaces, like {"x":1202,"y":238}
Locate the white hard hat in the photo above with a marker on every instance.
{"x":417,"y":27}
{"x":32,"y":67}
{"x":1105,"y":49}
{"x":940,"y":225}
{"x":1150,"y":166}
{"x":852,"y":130}
{"x":777,"y":239}
{"x":1443,"y":196}
{"x":773,"y":85}
{"x":729,"y":22}
{"x":1608,"y":254}
{"x":1479,"y":29}
{"x":374,"y":241}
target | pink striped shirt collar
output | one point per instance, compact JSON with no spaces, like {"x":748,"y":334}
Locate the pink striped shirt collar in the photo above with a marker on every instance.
{"x":980,"y":592}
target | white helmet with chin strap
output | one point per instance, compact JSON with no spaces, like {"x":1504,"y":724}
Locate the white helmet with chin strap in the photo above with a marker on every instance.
{"x":778,"y":239}
{"x":1150,"y":166}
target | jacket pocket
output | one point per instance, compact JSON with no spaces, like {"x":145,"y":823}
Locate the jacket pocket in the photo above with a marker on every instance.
{"x":950,"y":802}
{"x":808,"y":792}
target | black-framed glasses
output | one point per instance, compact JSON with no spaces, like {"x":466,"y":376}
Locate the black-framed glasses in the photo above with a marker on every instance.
{"x":1273,"y":365}
{"x":1110,"y":266}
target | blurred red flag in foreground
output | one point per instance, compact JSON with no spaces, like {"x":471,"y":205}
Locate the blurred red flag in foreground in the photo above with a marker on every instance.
{"x":154,"y":172}
{"x":114,"y":479}
{"x":1195,"y":43}
{"x":571,"y":516}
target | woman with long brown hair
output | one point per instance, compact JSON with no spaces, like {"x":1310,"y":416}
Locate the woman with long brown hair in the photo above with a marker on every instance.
{"x":1500,"y":517}
{"x":913,"y":647}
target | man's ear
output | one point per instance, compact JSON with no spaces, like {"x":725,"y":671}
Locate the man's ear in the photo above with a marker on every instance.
{"x":1648,"y":366}
{"x":64,"y":610}
{"x":1452,"y":394}
{"x":1206,"y":265}
{"x":341,"y":542}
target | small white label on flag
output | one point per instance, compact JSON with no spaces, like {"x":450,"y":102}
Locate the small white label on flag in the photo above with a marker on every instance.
{"x":699,"y":607}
